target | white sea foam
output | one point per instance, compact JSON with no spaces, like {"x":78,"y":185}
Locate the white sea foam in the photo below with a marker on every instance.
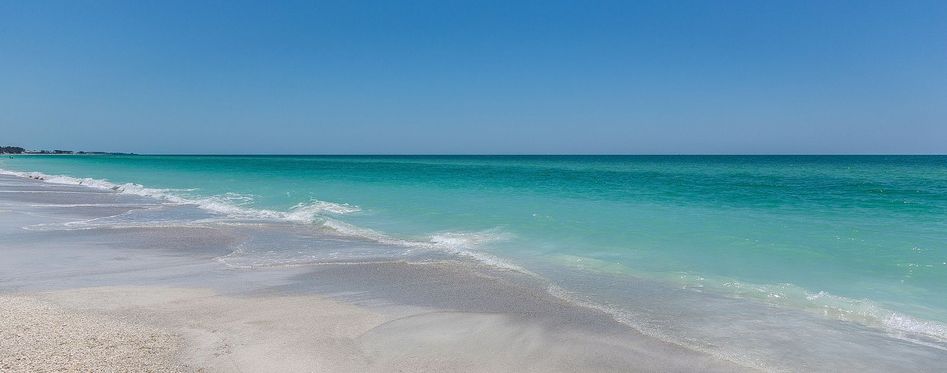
{"x":466,"y":244}
{"x":624,"y":317}
{"x":67,"y":205}
{"x":233,"y":205}
{"x":229,"y":204}
{"x":88,"y":225}
{"x":306,"y":211}
{"x":458,"y":243}
{"x":867,"y":312}
{"x":862,"y":311}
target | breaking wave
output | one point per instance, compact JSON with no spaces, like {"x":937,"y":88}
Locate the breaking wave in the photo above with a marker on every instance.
{"x":234,"y":206}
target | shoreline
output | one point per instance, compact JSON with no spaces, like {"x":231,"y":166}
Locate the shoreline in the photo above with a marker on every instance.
{"x":70,"y":239}
{"x":438,"y":316}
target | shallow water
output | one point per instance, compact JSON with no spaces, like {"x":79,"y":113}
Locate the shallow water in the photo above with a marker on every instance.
{"x":702,"y":250}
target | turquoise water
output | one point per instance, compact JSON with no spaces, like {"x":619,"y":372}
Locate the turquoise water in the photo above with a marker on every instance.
{"x":861,"y":238}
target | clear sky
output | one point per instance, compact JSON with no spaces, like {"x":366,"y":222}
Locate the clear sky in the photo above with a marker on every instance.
{"x":475,"y":77}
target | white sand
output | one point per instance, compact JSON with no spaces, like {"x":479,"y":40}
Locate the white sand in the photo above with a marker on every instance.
{"x":152,"y":299}
{"x":180,"y":329}
{"x":36,"y":335}
{"x":145,"y":328}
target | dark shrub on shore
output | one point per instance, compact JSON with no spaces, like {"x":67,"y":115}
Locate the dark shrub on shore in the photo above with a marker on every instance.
{"x":11,"y":150}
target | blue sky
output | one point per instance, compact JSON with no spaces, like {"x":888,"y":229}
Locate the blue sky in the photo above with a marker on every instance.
{"x":475,"y":77}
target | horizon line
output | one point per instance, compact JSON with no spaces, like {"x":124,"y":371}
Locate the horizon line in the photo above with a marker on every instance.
{"x":486,"y":154}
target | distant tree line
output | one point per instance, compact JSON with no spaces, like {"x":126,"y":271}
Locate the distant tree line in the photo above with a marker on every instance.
{"x":19,"y":150}
{"x":11,"y":150}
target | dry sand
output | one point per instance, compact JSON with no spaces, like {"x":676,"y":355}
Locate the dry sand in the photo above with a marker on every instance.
{"x":36,"y":335}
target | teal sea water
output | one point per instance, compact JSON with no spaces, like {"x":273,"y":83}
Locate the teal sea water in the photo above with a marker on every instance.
{"x":851,"y":238}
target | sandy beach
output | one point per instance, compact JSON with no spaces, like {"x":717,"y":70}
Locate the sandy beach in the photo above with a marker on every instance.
{"x":449,"y":186}
{"x":153,"y":298}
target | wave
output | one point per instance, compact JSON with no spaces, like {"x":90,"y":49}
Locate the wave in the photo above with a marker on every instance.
{"x":825,"y":304}
{"x":229,"y":204}
{"x":622,"y":316}
{"x":467,"y":244}
{"x":458,"y":243}
{"x":822,"y":303}
{"x":233,"y":206}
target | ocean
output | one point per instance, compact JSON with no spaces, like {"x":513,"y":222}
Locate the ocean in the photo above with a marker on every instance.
{"x":694,"y":249}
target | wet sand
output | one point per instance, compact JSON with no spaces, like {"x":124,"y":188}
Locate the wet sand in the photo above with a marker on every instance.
{"x":153,"y":298}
